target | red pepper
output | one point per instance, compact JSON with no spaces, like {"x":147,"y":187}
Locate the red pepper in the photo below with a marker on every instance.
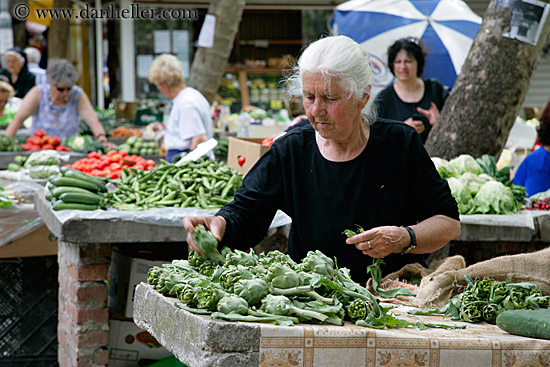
{"x":241,"y":160}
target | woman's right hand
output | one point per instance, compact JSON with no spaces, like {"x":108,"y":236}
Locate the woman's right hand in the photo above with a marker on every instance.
{"x":418,"y":125}
{"x":215,"y":224}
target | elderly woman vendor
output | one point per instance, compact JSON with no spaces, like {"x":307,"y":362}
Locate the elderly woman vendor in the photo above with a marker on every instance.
{"x":351,"y":168}
{"x":56,"y":107}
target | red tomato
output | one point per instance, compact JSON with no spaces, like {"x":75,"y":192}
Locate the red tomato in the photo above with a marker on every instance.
{"x":34,"y":140}
{"x":116,"y":157}
{"x":267,"y":141}
{"x":115,"y":166}
{"x":93,"y":155}
{"x":150,"y":162}
{"x":138,"y":166}
{"x":115,"y":175}
{"x":111,"y":152}
{"x":54,"y":140}
{"x":39,"y":132}
{"x":123,"y":153}
{"x":63,"y":148}
{"x":241,"y":160}
{"x":48,"y":147}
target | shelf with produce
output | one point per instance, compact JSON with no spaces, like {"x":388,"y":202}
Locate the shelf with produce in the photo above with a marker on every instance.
{"x":243,"y":73}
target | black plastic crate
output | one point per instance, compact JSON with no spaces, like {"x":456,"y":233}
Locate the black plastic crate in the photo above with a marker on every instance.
{"x":28,"y":312}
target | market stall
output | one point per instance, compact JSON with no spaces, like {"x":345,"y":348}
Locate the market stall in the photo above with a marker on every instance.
{"x":202,"y":341}
{"x":84,"y":254}
{"x":84,"y":251}
{"x":8,"y":157}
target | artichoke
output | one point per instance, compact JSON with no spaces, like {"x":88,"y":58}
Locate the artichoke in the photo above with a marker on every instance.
{"x":317,"y":262}
{"x":233,"y":304}
{"x":205,"y":241}
{"x":252,"y":290}
{"x":282,"y":276}
{"x":281,"y":305}
{"x":237,"y":257}
{"x":232,"y":274}
{"x":209,"y":296}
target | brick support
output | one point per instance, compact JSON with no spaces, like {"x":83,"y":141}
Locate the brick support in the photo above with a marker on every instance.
{"x":83,"y":331}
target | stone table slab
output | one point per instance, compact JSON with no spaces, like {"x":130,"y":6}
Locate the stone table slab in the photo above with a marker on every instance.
{"x":7,"y":157}
{"x":196,"y":340}
{"x":200,"y":341}
{"x":116,"y":226}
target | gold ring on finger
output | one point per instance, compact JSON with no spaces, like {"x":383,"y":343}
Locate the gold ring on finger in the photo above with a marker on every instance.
{"x":368,"y":244}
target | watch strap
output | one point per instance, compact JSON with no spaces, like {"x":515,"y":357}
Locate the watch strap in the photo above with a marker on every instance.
{"x":412,"y":245}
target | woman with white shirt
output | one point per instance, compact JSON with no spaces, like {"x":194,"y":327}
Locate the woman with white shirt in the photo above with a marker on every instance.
{"x":190,"y":121}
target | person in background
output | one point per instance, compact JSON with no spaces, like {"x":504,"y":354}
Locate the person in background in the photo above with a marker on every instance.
{"x":534,"y":171}
{"x":190,"y":121}
{"x":6,"y":113}
{"x":57,"y":107}
{"x":33,"y":58}
{"x":410,"y":98}
{"x":17,"y":73}
{"x":350,"y":168}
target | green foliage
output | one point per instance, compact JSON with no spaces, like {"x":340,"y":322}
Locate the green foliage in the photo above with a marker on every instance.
{"x":485,"y":299}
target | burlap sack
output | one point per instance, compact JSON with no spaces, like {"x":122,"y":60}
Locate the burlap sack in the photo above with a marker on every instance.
{"x":437,"y":287}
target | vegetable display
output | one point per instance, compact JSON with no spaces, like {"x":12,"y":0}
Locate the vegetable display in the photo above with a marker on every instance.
{"x":486,"y":299}
{"x":74,"y":190}
{"x":41,"y":141}
{"x":111,"y":163}
{"x":202,"y":184}
{"x":124,"y":132}
{"x":479,"y":187}
{"x":136,"y":145}
{"x":530,"y":323}
{"x":538,"y":201}
{"x":10,"y":144}
{"x":83,"y":143}
{"x":42,"y":164}
{"x":270,"y":287}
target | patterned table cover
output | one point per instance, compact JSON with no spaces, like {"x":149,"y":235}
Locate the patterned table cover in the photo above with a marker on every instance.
{"x":477,"y":345}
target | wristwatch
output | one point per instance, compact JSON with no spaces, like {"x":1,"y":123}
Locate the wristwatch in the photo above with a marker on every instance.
{"x":412,"y":245}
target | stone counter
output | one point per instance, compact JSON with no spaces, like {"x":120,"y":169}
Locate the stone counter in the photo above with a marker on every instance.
{"x":200,"y":341}
{"x":114,"y":226}
{"x":7,"y":157}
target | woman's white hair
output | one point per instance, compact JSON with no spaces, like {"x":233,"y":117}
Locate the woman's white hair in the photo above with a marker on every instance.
{"x":340,"y":60}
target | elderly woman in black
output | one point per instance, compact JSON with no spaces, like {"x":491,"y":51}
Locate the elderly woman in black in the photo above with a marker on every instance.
{"x":410,"y":98}
{"x":17,"y":73}
{"x":350,"y":168}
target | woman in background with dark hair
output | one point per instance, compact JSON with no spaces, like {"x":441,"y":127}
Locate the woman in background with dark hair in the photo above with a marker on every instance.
{"x":410,"y":98}
{"x":16,"y":72}
{"x":534,"y":172}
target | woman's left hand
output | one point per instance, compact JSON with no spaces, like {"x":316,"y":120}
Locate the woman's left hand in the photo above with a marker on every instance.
{"x":432,"y":114}
{"x":108,"y":145}
{"x":380,"y":242}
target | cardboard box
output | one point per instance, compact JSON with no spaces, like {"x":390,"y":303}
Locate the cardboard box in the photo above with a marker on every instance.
{"x":36,"y":243}
{"x":124,"y":274}
{"x":130,"y":346}
{"x":249,"y":148}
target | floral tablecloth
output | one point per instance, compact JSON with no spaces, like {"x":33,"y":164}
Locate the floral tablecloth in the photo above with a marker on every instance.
{"x":476,"y":345}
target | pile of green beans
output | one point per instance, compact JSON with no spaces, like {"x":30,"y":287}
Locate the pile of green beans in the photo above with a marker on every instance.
{"x":204,"y":184}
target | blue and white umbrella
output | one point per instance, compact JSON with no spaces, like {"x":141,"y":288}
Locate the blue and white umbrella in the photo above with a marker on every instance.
{"x":446,"y":27}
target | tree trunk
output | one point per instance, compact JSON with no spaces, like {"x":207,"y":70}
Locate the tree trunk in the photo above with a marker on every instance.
{"x":18,"y":26}
{"x":209,"y":63}
{"x":489,"y":92}
{"x":58,"y":33}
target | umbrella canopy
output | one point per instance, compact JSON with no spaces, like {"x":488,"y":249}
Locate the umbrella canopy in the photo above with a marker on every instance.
{"x":446,"y":27}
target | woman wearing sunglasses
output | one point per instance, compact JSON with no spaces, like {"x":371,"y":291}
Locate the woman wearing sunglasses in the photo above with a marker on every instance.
{"x":56,"y":107}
